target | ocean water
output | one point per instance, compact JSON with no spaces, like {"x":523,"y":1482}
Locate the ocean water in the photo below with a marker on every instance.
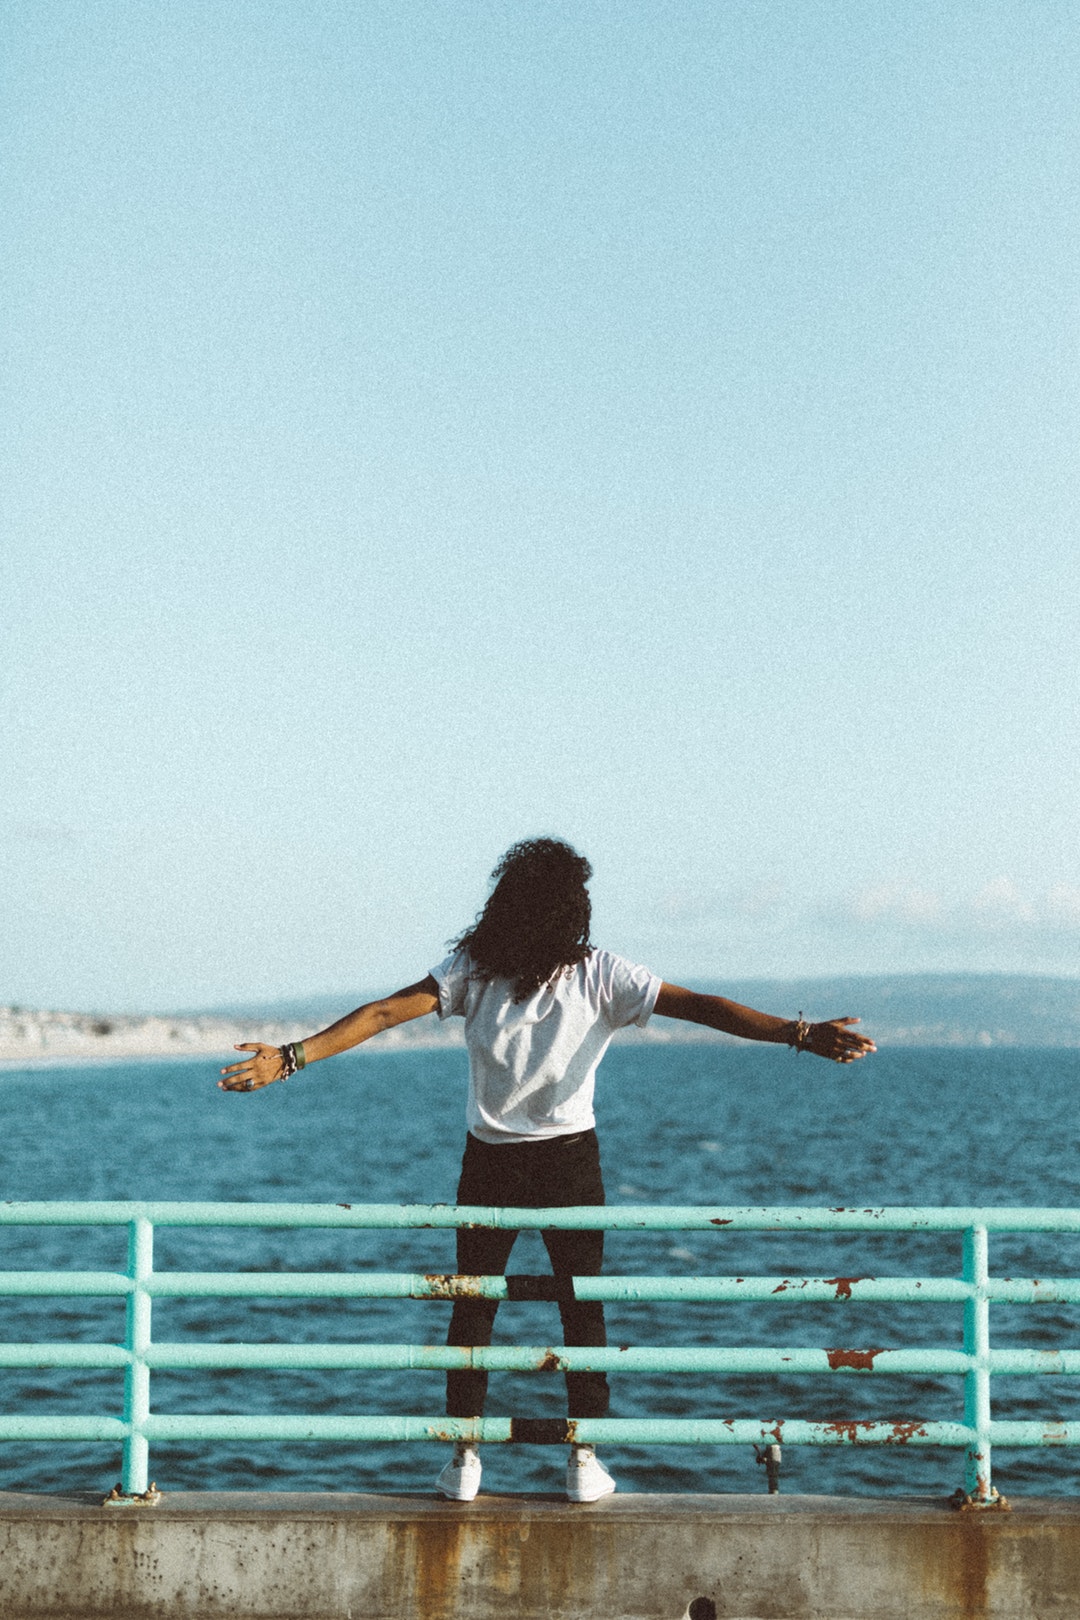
{"x":688,"y":1124}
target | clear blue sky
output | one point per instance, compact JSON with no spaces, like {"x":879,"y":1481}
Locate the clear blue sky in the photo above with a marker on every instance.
{"x":425,"y":425}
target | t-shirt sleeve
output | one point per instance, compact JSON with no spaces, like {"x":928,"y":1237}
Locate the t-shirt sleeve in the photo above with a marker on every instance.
{"x":452,"y":979}
{"x":628,"y":991}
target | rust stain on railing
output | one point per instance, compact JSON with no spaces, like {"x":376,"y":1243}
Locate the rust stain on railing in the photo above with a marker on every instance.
{"x":856,"y":1360}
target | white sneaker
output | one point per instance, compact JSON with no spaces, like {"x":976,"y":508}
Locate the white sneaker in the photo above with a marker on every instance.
{"x":587,"y":1480}
{"x":460,"y":1479}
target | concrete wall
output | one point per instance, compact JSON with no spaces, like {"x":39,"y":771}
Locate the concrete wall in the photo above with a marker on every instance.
{"x":271,"y":1556}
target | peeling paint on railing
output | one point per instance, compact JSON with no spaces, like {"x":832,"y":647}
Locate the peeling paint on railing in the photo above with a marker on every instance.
{"x":140,"y":1284}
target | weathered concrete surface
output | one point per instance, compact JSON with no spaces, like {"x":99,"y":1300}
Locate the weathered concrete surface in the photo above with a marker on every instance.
{"x":272,"y":1556}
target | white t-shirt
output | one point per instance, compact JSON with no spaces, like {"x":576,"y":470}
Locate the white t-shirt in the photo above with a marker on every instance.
{"x":532,"y":1064}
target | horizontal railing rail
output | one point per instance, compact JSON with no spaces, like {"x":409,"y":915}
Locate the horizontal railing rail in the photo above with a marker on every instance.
{"x":140,"y":1355}
{"x":607,"y":1217}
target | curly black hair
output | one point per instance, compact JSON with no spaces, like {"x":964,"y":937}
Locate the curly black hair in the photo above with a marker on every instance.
{"x":536,"y":921}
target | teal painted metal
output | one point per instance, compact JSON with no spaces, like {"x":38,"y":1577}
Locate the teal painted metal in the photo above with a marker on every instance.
{"x":406,"y":1285}
{"x":586,"y":1431}
{"x":139,"y":1285}
{"x":610,"y":1217}
{"x":547,"y":1358}
{"x":977,"y":1378}
{"x":137,"y":1373}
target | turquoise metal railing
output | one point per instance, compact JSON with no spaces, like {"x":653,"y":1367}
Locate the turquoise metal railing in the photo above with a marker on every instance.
{"x":975,"y":1290}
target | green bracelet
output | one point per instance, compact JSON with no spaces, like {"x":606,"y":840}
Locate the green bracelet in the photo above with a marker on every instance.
{"x":301,"y":1060}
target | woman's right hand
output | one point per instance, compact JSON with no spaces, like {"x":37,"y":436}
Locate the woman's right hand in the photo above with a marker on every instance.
{"x":836,"y":1040}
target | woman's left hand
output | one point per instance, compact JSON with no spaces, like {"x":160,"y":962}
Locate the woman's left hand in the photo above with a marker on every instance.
{"x":836,"y":1040}
{"x":254,"y":1073}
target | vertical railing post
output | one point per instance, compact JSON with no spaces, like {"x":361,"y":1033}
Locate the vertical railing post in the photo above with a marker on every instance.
{"x":137,"y":1379}
{"x":977,"y":1378}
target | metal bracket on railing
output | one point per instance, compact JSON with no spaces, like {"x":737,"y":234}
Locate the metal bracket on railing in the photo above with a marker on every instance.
{"x":965,"y":1502}
{"x":769,"y":1458}
{"x":122,"y":1498}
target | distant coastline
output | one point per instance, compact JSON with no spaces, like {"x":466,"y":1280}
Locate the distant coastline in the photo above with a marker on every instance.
{"x":972,"y":1010}
{"x":42,"y":1039}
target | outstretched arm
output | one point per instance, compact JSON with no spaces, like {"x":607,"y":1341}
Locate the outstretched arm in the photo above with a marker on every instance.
{"x":266,"y":1066}
{"x":835,"y":1039}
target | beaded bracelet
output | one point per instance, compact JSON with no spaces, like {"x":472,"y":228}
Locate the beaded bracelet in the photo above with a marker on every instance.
{"x":802,"y":1034}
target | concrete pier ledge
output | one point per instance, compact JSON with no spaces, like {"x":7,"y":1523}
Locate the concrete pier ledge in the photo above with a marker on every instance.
{"x":278,"y":1556}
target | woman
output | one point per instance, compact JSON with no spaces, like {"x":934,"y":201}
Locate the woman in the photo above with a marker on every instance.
{"x":540,"y":1004}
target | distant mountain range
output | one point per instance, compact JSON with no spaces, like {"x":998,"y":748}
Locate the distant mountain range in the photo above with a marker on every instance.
{"x":910,"y":1009}
{"x":926,"y":1009}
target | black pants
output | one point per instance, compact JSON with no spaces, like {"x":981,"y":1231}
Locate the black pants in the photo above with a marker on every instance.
{"x":551,"y":1173}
